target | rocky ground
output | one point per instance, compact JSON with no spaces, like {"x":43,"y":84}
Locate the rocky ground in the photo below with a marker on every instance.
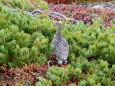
{"x":105,"y":5}
{"x":73,"y":17}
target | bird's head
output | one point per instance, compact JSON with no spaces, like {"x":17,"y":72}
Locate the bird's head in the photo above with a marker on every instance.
{"x":58,"y":24}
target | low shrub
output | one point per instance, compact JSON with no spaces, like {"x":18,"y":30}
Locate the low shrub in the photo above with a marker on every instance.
{"x":43,"y":82}
{"x":25,"y":4}
{"x":26,"y":39}
{"x":73,"y":1}
{"x":86,"y":14}
{"x":90,"y":41}
{"x":96,"y":73}
{"x":21,"y":40}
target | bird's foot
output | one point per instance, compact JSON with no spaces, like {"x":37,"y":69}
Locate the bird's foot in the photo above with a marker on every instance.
{"x":62,"y":65}
{"x":49,"y":63}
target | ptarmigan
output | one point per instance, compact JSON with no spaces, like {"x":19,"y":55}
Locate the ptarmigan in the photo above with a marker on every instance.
{"x":60,"y":46}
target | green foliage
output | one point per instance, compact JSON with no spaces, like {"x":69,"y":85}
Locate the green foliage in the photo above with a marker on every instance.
{"x":25,"y":39}
{"x":82,"y":83}
{"x":58,"y":75}
{"x":43,"y":82}
{"x":94,"y":41}
{"x":72,"y":84}
{"x":28,"y":39}
{"x":42,"y":4}
{"x":25,"y":4}
{"x":96,"y":74}
{"x":21,"y":39}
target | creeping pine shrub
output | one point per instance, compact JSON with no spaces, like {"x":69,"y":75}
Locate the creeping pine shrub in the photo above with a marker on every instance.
{"x":96,"y":73}
{"x":25,"y":4}
{"x":58,"y":75}
{"x":90,"y":41}
{"x":26,"y":39}
{"x":22,"y":40}
{"x":17,"y":47}
{"x":43,"y":82}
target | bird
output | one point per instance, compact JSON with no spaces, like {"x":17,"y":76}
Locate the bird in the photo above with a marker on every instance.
{"x":60,"y":45}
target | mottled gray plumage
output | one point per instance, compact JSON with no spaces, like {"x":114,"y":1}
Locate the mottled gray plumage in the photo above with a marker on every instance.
{"x":60,"y":45}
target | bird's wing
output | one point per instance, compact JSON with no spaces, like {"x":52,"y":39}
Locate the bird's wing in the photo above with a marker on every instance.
{"x":62,"y":50}
{"x":65,"y":44}
{"x":65,"y":49}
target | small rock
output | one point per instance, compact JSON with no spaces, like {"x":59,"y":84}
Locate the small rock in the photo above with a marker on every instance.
{"x":73,"y":21}
{"x":98,"y":6}
{"x":37,"y":11}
